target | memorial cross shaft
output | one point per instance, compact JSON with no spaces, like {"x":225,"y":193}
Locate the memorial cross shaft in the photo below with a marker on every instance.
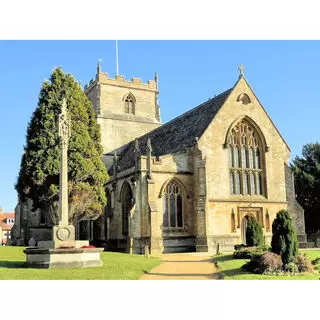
{"x":64,"y":134}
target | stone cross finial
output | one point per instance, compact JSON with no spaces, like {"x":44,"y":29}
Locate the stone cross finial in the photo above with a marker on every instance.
{"x":99,"y":66}
{"x":115,"y":158}
{"x":241,"y":69}
{"x":156,"y":79}
{"x":149,"y":147}
{"x":136,"y":147}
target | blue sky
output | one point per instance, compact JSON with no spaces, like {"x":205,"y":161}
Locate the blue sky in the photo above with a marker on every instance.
{"x":283,"y":74}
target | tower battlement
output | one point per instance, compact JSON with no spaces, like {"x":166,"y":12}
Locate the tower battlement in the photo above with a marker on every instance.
{"x":120,"y":81}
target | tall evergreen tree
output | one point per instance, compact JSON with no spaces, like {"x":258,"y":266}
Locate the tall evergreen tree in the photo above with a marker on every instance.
{"x":284,"y":238}
{"x":306,"y":171}
{"x":254,"y":233}
{"x":38,"y":178}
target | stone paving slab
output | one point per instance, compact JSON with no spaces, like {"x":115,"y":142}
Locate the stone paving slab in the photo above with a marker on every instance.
{"x":184,"y":266}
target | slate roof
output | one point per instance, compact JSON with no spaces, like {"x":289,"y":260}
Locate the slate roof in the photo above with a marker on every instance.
{"x":172,"y":137}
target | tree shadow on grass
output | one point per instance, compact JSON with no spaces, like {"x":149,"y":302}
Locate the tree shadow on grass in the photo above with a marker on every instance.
{"x":234,"y":272}
{"x":222,"y":258}
{"x":12,"y":264}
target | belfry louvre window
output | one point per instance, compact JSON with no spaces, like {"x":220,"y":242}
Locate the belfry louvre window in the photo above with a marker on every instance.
{"x":245,"y":167}
{"x":172,"y":206}
{"x":129,"y":104}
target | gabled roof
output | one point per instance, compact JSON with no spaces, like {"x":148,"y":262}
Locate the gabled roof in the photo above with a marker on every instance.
{"x":174,"y":136}
{"x":4,"y":226}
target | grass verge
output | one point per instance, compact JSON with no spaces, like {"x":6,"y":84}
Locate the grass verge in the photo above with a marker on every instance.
{"x":116,"y":266}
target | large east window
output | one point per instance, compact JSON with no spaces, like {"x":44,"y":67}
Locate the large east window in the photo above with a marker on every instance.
{"x":172,"y":206}
{"x":245,"y":163}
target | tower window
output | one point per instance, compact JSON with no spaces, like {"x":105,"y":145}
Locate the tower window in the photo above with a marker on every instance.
{"x":129,"y":104}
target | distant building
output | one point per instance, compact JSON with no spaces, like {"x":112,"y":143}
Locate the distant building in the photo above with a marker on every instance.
{"x":7,"y":220}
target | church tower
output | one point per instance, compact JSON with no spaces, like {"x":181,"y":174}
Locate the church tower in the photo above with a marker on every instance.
{"x":125,"y":109}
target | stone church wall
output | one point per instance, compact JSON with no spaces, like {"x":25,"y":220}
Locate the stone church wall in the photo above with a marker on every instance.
{"x":220,"y":202}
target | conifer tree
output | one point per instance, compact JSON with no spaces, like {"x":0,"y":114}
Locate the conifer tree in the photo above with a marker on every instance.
{"x":38,"y":178}
{"x":284,"y":238}
{"x":254,"y":234}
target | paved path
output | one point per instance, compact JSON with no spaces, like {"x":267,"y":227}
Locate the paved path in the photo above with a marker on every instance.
{"x":183,"y":266}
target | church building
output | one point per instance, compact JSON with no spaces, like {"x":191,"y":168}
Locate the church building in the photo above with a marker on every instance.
{"x":189,"y":184}
{"x":192,"y":183}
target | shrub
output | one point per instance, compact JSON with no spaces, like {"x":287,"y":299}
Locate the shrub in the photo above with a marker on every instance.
{"x":246,"y":253}
{"x":254,"y":234}
{"x":303,"y":263}
{"x":254,"y":264}
{"x":291,"y":268}
{"x":284,"y":238}
{"x":267,"y":262}
{"x":317,"y":267}
{"x":270,"y":262}
{"x":265,"y":248}
{"x":239,"y":246}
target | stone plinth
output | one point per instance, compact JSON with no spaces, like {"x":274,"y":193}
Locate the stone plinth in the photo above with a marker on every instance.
{"x":63,"y":258}
{"x":57,"y":244}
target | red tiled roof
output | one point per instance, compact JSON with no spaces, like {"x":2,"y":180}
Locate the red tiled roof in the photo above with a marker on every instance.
{"x":3,"y":216}
{"x":5,"y":226}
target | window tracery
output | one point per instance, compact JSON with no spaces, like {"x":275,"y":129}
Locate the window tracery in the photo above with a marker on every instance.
{"x":172,"y":206}
{"x":129,"y":104}
{"x":245,"y":168}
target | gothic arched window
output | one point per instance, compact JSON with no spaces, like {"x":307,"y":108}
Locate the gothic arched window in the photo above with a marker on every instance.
{"x":245,"y":164}
{"x":129,"y":104}
{"x":172,"y":206}
{"x":126,"y":206}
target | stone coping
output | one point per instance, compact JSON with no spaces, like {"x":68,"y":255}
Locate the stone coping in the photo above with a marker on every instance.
{"x":61,"y":251}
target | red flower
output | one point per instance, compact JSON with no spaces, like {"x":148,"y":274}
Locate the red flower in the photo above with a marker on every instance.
{"x":87,"y":247}
{"x":66,"y":247}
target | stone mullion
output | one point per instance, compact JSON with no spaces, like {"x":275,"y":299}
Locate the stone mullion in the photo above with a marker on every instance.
{"x":256,"y":182}
{"x":254,"y":158}
{"x":241,"y":182}
{"x":176,"y":209}
{"x":250,"y":182}
{"x":234,"y":180}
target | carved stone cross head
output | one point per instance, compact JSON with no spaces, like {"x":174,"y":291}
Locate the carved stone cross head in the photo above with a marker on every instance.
{"x":241,"y":69}
{"x":64,"y":124}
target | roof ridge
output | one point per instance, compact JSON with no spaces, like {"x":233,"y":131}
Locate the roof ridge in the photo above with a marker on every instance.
{"x":189,"y":111}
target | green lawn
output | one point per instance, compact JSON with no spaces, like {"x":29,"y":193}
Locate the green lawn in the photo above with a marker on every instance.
{"x":230,"y":269}
{"x":116,"y":266}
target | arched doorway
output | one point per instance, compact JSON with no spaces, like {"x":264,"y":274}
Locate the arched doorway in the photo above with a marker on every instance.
{"x":107,"y":216}
{"x":126,"y":206}
{"x":244,"y":224}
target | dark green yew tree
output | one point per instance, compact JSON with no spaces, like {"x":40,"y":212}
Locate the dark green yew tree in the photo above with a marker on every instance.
{"x":306,"y":171}
{"x":38,"y":178}
{"x":254,"y":233}
{"x":284,"y":238}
